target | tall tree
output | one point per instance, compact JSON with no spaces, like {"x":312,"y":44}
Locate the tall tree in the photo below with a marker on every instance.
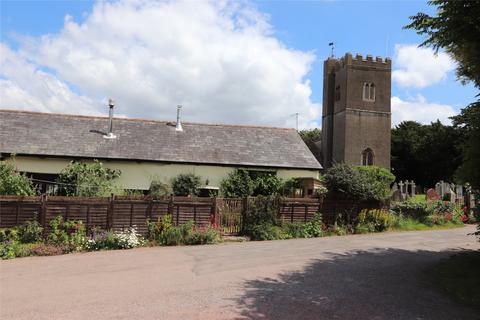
{"x":425,"y":153}
{"x":312,"y":138}
{"x":456,"y":29}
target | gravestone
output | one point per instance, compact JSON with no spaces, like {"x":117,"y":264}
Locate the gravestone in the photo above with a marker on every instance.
{"x":453,"y":196}
{"x":397,"y":196}
{"x":412,"y":188}
{"x":438,"y":188}
{"x":459,"y":194}
{"x":400,"y":185}
{"x":432,"y":195}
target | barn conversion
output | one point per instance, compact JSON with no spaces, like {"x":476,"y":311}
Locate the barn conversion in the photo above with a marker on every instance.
{"x":147,"y":150}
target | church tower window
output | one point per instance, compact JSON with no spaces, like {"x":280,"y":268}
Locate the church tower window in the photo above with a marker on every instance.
{"x":368,"y":91}
{"x":368,"y":158}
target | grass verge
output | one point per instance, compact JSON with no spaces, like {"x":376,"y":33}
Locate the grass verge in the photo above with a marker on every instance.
{"x":408,"y":224}
{"x":459,"y":277}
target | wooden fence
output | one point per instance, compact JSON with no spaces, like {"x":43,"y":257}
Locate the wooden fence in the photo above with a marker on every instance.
{"x":119,"y":213}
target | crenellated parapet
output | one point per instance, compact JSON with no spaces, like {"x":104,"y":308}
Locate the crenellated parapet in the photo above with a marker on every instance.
{"x":359,"y":60}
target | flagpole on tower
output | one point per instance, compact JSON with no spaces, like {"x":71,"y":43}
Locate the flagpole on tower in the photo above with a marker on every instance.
{"x":331,"y":44}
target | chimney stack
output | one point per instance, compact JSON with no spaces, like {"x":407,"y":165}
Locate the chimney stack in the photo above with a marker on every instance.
{"x":110,"y":134}
{"x":178,"y":126}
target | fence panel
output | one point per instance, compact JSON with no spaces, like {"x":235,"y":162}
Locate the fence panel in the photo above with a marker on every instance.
{"x":120,"y":213}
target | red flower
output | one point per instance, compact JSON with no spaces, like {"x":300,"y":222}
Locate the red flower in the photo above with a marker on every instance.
{"x":464,"y":218}
{"x":448,"y":216}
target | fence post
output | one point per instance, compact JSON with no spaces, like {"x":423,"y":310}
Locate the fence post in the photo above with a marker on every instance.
{"x":43,"y":211}
{"x":110,"y":211}
{"x":291,"y":211}
{"x":149,"y":208}
{"x":244,"y":212}
{"x":213,"y":219}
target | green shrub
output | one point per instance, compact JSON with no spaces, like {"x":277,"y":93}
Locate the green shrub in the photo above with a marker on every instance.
{"x":68,"y":232}
{"x":310,"y":229}
{"x":30,"y":231}
{"x":206,"y":235}
{"x":25,"y":249}
{"x":374,"y":220}
{"x":9,"y":234}
{"x":267,"y":184}
{"x":164,"y":232}
{"x":88,"y":179}
{"x":359,"y":183}
{"x":243,"y":183}
{"x":186,"y":184}
{"x":430,"y":213}
{"x":378,"y":181}
{"x":14,"y":183}
{"x":156,"y":230}
{"x":314,"y":227}
{"x":172,"y":237}
{"x":411,"y":209}
{"x":267,"y":231}
{"x":7,"y":250}
{"x":159,"y":189}
{"x":237,"y":184}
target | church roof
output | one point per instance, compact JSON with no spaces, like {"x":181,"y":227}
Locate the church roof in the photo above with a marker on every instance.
{"x":60,"y":135}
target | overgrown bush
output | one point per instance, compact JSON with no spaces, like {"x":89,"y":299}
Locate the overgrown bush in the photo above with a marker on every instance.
{"x":267,"y":231}
{"x":237,"y":184}
{"x":374,"y":220}
{"x":186,"y":184}
{"x":411,"y":209}
{"x":7,"y":250}
{"x":310,"y":229}
{"x":165,"y":233}
{"x":67,"y":232}
{"x":262,"y":210}
{"x":267,"y":184}
{"x":88,"y":179}
{"x":202,"y":235}
{"x":14,"y":183}
{"x":261,"y":223}
{"x":359,"y":183}
{"x":30,"y":231}
{"x":243,"y":183}
{"x":159,"y":189}
{"x":430,"y":213}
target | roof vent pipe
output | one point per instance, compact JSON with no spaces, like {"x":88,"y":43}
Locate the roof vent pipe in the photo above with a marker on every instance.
{"x":110,"y":134}
{"x":178,"y":126}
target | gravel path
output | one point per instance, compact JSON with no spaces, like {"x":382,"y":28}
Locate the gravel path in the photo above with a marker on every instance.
{"x":378,"y":276}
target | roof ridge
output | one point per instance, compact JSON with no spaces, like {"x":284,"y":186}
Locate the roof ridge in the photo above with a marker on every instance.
{"x":66,"y":115}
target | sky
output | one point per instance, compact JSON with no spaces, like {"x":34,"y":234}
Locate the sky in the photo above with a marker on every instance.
{"x":248,"y":62}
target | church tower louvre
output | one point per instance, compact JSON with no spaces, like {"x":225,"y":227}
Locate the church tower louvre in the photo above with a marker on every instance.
{"x":356,"y":119}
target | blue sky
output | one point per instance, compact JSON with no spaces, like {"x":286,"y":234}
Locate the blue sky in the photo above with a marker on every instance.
{"x":303,"y":27}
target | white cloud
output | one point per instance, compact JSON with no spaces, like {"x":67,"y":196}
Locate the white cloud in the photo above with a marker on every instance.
{"x":420,"y":110}
{"x":24,"y":86}
{"x":220,"y":60}
{"x":420,"y":67}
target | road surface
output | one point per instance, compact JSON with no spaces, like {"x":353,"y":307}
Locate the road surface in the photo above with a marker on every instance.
{"x":381,"y":276}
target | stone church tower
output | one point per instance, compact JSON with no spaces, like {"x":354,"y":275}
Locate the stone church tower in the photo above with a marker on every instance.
{"x":356,"y":119}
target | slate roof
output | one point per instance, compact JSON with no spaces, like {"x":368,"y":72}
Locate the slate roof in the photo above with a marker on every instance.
{"x":47,"y":134}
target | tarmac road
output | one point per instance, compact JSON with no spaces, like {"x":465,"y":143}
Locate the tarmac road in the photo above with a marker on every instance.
{"x":379,"y":276}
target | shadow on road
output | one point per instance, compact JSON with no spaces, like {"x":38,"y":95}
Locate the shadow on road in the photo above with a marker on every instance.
{"x":375,"y":284}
